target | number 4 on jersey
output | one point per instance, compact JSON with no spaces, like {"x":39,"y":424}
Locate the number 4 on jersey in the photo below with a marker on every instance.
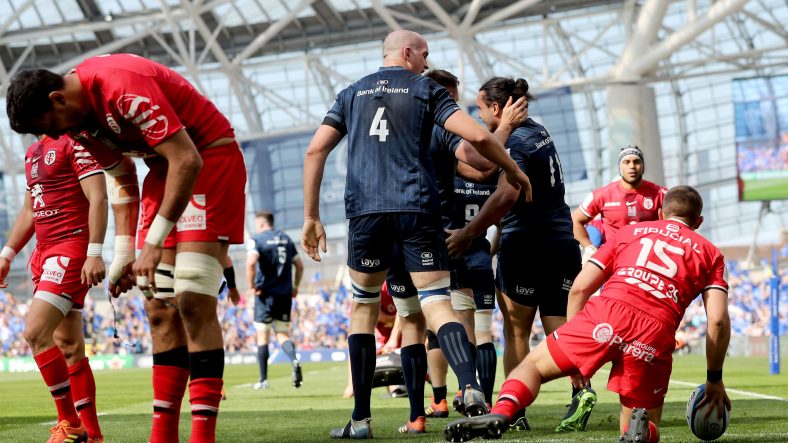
{"x":379,"y":125}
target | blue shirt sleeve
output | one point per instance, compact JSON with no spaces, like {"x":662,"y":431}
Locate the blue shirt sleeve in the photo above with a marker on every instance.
{"x":336,"y":115}
{"x":442,"y":103}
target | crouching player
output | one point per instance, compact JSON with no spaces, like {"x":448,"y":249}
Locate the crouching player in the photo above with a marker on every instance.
{"x":651,"y":272}
{"x":64,"y":183}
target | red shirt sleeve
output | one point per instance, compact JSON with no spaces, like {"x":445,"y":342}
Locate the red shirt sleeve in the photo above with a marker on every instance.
{"x":82,"y":162}
{"x":141,"y":103}
{"x":718,"y":277}
{"x":590,"y":205}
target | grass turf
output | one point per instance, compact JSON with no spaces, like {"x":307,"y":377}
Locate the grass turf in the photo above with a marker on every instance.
{"x":284,"y":414}
{"x":766,"y":189}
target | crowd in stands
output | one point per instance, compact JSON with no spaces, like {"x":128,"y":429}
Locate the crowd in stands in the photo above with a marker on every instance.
{"x":321,"y":318}
{"x":762,"y":158}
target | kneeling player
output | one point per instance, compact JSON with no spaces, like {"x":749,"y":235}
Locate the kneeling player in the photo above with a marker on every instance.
{"x":651,"y":272}
{"x":63,"y":183}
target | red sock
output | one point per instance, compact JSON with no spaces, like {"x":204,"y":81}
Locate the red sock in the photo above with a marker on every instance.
{"x":514,"y":396}
{"x":169,"y":385}
{"x":204,"y":395}
{"x":653,"y":433}
{"x":54,"y":369}
{"x":83,"y":388}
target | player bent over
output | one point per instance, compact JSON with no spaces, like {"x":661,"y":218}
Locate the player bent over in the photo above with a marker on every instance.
{"x":651,"y":272}
{"x":121,"y":106}
{"x":63,"y":183}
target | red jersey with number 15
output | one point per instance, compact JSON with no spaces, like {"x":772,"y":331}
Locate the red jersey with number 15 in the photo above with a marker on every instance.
{"x":138,"y":103}
{"x":620,"y":207}
{"x":659,"y":267}
{"x":53,"y":169}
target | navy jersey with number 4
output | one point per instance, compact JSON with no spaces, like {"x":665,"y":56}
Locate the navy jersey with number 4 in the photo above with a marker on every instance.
{"x":388,"y":117}
{"x":469,"y":197}
{"x":275,"y":252}
{"x":442,"y":152}
{"x":547,"y":217}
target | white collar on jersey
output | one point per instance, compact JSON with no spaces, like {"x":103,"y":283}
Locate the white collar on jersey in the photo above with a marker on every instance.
{"x":678,"y":220}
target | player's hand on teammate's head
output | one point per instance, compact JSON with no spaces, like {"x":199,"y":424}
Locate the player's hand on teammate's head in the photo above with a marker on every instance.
{"x":514,"y":114}
{"x":457,"y":242}
{"x":716,"y":395}
{"x":93,"y":271}
{"x":313,"y":238}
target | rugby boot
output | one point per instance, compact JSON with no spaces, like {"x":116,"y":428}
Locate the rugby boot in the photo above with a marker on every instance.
{"x":354,"y":430}
{"x":458,"y":403}
{"x":414,"y":427}
{"x":63,"y":432}
{"x":488,"y":426}
{"x":474,"y":403}
{"x":298,"y":377}
{"x":637,"y":430}
{"x":437,"y":410}
{"x":579,"y":411}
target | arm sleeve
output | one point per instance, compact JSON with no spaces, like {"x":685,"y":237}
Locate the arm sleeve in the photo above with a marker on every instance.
{"x":336,"y":115}
{"x":82,"y":162}
{"x":605,"y":257}
{"x":141,"y":103}
{"x":251,"y":247}
{"x":589,"y":206}
{"x":441,"y":102}
{"x":718,"y":277}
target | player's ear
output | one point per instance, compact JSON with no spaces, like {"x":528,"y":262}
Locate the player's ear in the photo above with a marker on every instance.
{"x":57,"y":98}
{"x":698,"y":222}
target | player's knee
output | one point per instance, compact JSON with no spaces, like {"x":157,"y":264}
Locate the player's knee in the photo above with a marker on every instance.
{"x":195,"y":309}
{"x":73,"y":350}
{"x":160,"y":313}
{"x":435,"y":291}
{"x":197,"y":273}
{"x":483,"y":321}
{"x":282,"y":329}
{"x":365,"y":294}
{"x":34,"y":336}
{"x":165,"y":281}
{"x":407,"y":306}
{"x":461,"y":301}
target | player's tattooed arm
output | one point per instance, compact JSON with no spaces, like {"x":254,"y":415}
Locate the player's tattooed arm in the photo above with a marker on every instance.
{"x":95,"y":190}
{"x":313,"y":237}
{"x":21,"y":233}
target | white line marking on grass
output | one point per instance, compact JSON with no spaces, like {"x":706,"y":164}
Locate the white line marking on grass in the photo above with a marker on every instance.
{"x":727,"y":389}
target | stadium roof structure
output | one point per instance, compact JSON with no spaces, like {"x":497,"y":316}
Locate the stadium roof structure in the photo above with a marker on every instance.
{"x":274,"y":65}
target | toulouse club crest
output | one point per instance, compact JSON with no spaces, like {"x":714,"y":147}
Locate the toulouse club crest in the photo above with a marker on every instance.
{"x":50,"y":156}
{"x":648,"y":203}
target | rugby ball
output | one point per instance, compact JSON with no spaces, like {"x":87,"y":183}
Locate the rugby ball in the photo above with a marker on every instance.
{"x":704,"y":428}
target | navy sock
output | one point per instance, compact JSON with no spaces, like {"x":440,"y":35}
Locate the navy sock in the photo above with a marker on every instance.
{"x":473,"y":360}
{"x":206,"y":364}
{"x":262,"y":361}
{"x":457,"y":350}
{"x":486,"y":365}
{"x":361,"y":349}
{"x":439,"y":393}
{"x":414,"y":368}
{"x":288,"y":347}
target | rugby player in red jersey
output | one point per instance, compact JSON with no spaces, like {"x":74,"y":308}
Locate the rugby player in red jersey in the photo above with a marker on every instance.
{"x":121,"y":106}
{"x":620,"y":203}
{"x":63,"y":183}
{"x":651,"y":272}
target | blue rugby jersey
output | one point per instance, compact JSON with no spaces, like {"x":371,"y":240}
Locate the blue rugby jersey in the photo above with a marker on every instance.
{"x":547,"y":217}
{"x":388,"y":117}
{"x":442,"y":153}
{"x":469,"y":197}
{"x":274,"y":262}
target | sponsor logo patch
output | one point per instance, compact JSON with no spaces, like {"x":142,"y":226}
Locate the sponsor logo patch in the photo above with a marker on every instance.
{"x":602,"y":333}
{"x":144,"y":115}
{"x":50,"y":156}
{"x":193,"y":218}
{"x":370,"y":262}
{"x":55,"y":269}
{"x":113,"y":124}
{"x":523,"y":291}
{"x":648,"y":203}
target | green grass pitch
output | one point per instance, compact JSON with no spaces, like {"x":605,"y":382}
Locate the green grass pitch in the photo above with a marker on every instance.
{"x":766,"y":189}
{"x":284,"y":414}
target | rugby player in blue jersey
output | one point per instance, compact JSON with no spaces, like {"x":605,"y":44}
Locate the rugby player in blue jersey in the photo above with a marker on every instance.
{"x":539,"y":256}
{"x":391,"y":199}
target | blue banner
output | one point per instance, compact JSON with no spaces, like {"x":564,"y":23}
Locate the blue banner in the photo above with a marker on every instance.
{"x":774,"y":318}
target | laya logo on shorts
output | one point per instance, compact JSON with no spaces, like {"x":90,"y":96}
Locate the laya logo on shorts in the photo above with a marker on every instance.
{"x":370,"y":262}
{"x":144,"y":115}
{"x":603,"y":333}
{"x":523,"y":291}
{"x":193,"y":218}
{"x":55,"y":269}
{"x":397,"y":288}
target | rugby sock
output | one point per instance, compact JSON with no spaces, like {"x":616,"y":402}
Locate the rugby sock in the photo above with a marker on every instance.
{"x":653,"y":433}
{"x":54,"y":370}
{"x":361,"y":349}
{"x":514,"y":396}
{"x":83,"y":387}
{"x":170,"y":375}
{"x":576,"y":390}
{"x":454,"y":344}
{"x":289,"y":349}
{"x":414,"y":369}
{"x":205,"y":393}
{"x":486,"y":365}
{"x":262,"y":361}
{"x":438,"y":393}
{"x":473,"y":362}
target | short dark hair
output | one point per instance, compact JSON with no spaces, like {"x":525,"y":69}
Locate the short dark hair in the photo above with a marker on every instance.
{"x":444,"y":78}
{"x":499,"y":89}
{"x":684,"y":202}
{"x":28,"y":98}
{"x":267,"y":215}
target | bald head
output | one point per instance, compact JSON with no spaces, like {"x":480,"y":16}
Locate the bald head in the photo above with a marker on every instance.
{"x":407,"y":49}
